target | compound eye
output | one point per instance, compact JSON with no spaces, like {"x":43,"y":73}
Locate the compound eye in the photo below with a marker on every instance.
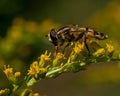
{"x":52,"y":36}
{"x":52,"y":33}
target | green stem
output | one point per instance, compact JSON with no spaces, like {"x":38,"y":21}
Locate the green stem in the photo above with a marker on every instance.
{"x":54,"y":73}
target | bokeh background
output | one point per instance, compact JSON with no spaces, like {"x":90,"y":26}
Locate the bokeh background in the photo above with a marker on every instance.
{"x":24,"y":24}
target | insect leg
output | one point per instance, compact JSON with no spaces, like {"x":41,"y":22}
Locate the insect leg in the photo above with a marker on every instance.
{"x":87,"y":46}
{"x":56,"y":49}
{"x":57,"y":46}
{"x":67,"y":45}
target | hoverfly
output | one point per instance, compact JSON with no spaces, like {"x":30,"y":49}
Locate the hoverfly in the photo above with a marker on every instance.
{"x":73,"y":33}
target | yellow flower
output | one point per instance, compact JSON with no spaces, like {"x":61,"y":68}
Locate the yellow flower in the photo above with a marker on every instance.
{"x":35,"y":70}
{"x":78,"y":47}
{"x":99,"y":52}
{"x":58,"y":59}
{"x":4,"y":92}
{"x":7,"y":70}
{"x":17,"y":74}
{"x":59,"y":55}
{"x":76,"y":51}
{"x":43,"y":58}
{"x":13,"y":77}
{"x":110,"y":47}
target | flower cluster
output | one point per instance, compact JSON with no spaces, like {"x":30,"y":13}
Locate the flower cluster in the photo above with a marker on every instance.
{"x":50,"y":65}
{"x":58,"y":59}
{"x":12,"y":76}
{"x":35,"y":70}
{"x":76,"y":51}
{"x":4,"y":92}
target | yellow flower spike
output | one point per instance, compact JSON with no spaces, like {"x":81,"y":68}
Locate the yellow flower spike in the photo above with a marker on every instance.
{"x":78,"y":47}
{"x":99,"y":52}
{"x":7,"y":70}
{"x":110,"y":48}
{"x":43,"y":58}
{"x":17,"y":74}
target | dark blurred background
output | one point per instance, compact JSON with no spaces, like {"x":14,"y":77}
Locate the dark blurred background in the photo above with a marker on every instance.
{"x":24,"y":24}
